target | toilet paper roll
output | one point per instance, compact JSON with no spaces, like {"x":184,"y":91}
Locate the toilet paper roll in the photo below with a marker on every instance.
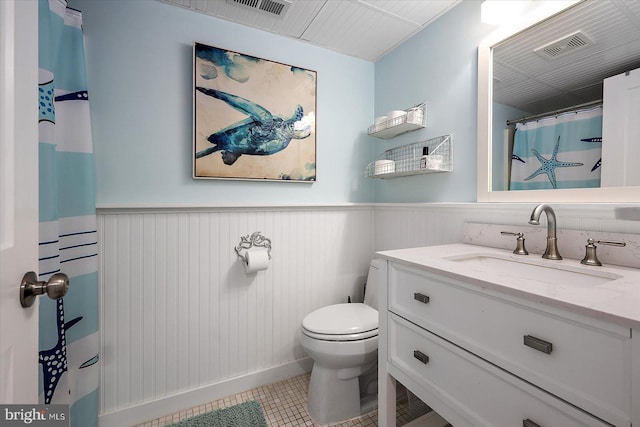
{"x":257,"y":260}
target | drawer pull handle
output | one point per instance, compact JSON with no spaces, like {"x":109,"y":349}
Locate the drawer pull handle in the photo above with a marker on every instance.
{"x":529,"y":423}
{"x":421,"y":356}
{"x":538,"y":344}
{"x":421,"y":297}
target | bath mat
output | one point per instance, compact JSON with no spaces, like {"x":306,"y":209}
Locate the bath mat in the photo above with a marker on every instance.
{"x":247,"y":414}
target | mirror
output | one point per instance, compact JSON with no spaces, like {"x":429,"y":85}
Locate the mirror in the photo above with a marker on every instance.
{"x":523,"y":72}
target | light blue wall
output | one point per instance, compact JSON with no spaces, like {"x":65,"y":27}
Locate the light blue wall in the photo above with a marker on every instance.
{"x":139,"y":56}
{"x":439,"y":66}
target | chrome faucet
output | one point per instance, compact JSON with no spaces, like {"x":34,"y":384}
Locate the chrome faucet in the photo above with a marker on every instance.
{"x":552,"y":241}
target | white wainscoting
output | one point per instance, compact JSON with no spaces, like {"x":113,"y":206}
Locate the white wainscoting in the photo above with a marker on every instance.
{"x":182,"y":323}
{"x":180,"y":317}
{"x":411,"y":225}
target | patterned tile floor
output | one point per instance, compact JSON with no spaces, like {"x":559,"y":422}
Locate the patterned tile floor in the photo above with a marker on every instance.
{"x":284,"y":405}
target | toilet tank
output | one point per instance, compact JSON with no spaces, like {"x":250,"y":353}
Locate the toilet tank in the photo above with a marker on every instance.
{"x":373,"y":283}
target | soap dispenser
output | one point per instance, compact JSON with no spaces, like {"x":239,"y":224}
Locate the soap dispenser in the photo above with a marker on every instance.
{"x":424,"y":160}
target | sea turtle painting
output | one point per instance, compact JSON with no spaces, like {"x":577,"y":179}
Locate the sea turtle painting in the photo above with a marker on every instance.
{"x":260,"y":134}
{"x":253,"y":118}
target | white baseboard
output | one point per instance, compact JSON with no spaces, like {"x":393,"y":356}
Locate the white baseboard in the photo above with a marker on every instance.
{"x":146,"y":411}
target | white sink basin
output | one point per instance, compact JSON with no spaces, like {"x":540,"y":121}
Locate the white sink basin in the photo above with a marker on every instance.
{"x":539,"y":269}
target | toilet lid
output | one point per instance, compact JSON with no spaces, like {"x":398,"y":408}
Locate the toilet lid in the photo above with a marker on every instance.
{"x":342,"y":319}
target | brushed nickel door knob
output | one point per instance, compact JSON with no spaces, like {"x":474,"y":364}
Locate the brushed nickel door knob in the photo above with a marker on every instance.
{"x":56,"y":287}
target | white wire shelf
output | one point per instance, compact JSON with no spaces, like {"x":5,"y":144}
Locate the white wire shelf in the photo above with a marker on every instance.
{"x":416,"y":118}
{"x":409,"y":160}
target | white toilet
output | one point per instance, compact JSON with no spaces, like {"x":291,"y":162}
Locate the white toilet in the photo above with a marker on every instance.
{"x":342,"y":340}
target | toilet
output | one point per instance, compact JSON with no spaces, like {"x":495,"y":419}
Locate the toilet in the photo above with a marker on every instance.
{"x":342,"y":340}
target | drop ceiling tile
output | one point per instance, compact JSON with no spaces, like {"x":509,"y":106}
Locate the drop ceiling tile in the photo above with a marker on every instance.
{"x":504,"y":73}
{"x":300,"y":16}
{"x":353,"y":28}
{"x":524,"y":92}
{"x":419,"y":12}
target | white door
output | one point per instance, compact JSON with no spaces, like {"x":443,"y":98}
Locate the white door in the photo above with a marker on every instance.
{"x":620,"y":129}
{"x":18,"y":198}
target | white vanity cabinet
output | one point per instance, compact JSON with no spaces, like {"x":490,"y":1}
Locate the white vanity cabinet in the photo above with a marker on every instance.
{"x":481,"y":357}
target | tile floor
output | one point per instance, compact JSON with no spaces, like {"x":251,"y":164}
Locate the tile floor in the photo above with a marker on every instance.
{"x":284,"y":405}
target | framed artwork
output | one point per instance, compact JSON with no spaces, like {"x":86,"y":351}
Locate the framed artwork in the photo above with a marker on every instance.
{"x":254,"y":119}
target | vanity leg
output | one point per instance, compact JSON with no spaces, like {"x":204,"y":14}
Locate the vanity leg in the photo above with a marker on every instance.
{"x":386,"y":399}
{"x":386,"y":383}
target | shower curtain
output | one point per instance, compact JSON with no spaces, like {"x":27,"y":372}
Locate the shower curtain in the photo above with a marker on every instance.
{"x":561,"y":151}
{"x":69,"y":337}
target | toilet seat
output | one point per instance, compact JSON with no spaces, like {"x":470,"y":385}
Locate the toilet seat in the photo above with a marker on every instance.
{"x":342,"y":322}
{"x":342,"y":337}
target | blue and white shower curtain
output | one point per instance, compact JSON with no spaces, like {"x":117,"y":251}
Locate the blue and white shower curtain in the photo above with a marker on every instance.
{"x":69,"y":337}
{"x":561,"y":151}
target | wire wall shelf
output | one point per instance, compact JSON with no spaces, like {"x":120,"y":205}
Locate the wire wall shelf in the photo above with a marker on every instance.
{"x":409,"y":159}
{"x":416,"y":118}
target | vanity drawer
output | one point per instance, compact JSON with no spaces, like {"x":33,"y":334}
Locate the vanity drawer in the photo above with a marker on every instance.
{"x":479,"y":392}
{"x":583,"y":361}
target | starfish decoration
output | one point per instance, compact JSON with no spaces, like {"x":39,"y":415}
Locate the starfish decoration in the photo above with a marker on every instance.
{"x":548,"y":166}
{"x":54,"y":360}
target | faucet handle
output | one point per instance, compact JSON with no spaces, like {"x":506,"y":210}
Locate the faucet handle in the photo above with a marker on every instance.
{"x":590,"y":256}
{"x":520,"y":249}
{"x":609,"y":242}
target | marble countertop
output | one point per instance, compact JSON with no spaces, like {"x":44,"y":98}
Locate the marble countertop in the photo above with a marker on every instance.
{"x":615,"y":297}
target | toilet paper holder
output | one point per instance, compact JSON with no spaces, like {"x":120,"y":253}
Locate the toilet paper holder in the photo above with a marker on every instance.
{"x":254,"y":240}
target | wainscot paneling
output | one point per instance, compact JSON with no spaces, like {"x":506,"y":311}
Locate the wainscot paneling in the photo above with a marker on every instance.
{"x":426,"y":224}
{"x":182,"y":324}
{"x":180,"y":318}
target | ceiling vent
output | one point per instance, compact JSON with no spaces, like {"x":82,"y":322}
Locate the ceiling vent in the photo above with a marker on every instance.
{"x":270,"y":7}
{"x":563,"y":46}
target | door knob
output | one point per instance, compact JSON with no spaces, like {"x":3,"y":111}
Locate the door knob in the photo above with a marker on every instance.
{"x":56,"y":287}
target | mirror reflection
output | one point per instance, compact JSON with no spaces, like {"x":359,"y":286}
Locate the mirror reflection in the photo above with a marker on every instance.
{"x":566,"y":98}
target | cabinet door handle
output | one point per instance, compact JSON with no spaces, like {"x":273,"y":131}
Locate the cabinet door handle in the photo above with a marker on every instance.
{"x":538,"y":344}
{"x":421,"y":356}
{"x":421,"y":297}
{"x":529,"y":423}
